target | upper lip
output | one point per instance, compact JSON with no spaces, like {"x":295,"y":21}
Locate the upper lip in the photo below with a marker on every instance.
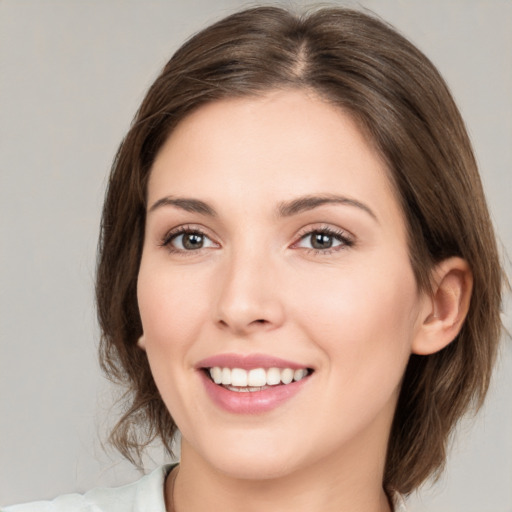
{"x":248,"y":362}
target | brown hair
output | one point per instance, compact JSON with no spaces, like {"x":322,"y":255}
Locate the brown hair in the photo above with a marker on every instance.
{"x":360,"y":64}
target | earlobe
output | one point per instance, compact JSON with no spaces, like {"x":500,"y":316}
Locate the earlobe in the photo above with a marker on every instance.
{"x":447,"y":308}
{"x":141,"y":343}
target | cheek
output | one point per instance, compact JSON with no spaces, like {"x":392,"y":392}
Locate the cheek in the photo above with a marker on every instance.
{"x":363,"y":318}
{"x":171,"y":312}
{"x":172,"y":308}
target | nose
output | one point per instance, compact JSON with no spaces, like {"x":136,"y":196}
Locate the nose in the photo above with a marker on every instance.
{"x":249,"y":297}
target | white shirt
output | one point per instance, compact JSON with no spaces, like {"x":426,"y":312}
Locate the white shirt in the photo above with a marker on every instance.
{"x":144,"y":495}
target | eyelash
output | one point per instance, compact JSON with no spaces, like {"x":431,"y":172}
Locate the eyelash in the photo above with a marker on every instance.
{"x":346,"y":240}
{"x":338,"y":234}
{"x":181,"y":230}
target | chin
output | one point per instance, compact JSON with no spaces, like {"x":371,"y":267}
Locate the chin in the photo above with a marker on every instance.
{"x":266,"y":466}
{"x":249,"y":456}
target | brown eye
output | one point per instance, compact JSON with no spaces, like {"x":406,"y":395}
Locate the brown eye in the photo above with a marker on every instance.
{"x":325,"y":240}
{"x":321,"y":240}
{"x":188,"y":241}
{"x":192,"y":241}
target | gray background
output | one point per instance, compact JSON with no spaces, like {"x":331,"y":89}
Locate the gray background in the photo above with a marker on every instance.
{"x":71,"y":76}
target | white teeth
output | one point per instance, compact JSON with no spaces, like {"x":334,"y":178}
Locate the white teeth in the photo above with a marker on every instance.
{"x":255,"y":379}
{"x":245,"y":390}
{"x":238,"y":377}
{"x":273,"y":376}
{"x":299,"y":374}
{"x":226,"y":376}
{"x":216,"y":374}
{"x":287,"y":375}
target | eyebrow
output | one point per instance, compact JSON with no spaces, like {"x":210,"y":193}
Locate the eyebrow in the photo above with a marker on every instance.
{"x":309,"y":202}
{"x":284,"y":209}
{"x":187,"y":204}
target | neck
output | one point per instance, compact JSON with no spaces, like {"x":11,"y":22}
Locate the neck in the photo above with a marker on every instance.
{"x":325,"y":486}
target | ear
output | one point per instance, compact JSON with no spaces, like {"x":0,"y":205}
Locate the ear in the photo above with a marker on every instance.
{"x":141,"y":343}
{"x":445,"y":310}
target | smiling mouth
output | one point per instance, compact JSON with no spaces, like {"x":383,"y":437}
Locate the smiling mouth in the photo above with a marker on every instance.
{"x":256,"y":379}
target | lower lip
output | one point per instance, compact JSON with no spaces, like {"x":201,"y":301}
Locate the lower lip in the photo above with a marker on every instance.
{"x":251,"y":402}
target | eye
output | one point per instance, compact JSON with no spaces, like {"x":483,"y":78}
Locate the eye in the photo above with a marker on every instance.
{"x":187,"y":240}
{"x":325,"y":240}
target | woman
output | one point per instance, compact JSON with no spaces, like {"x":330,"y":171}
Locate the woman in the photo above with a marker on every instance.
{"x":297,"y":270}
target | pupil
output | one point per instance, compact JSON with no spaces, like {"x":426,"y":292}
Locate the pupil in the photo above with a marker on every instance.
{"x":193,"y":241}
{"x":321,"y":241}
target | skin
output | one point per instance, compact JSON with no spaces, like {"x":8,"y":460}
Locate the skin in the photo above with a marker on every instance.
{"x":352,"y":312}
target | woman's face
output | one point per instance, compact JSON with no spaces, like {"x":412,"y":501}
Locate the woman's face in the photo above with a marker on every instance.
{"x":274,"y":250}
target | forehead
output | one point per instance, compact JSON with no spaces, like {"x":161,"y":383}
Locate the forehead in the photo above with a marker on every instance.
{"x":273,"y":147}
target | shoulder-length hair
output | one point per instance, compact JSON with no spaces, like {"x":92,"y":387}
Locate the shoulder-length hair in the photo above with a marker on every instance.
{"x":358,"y":63}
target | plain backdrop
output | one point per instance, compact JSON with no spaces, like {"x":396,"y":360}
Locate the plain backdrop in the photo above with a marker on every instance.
{"x":72,"y":74}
